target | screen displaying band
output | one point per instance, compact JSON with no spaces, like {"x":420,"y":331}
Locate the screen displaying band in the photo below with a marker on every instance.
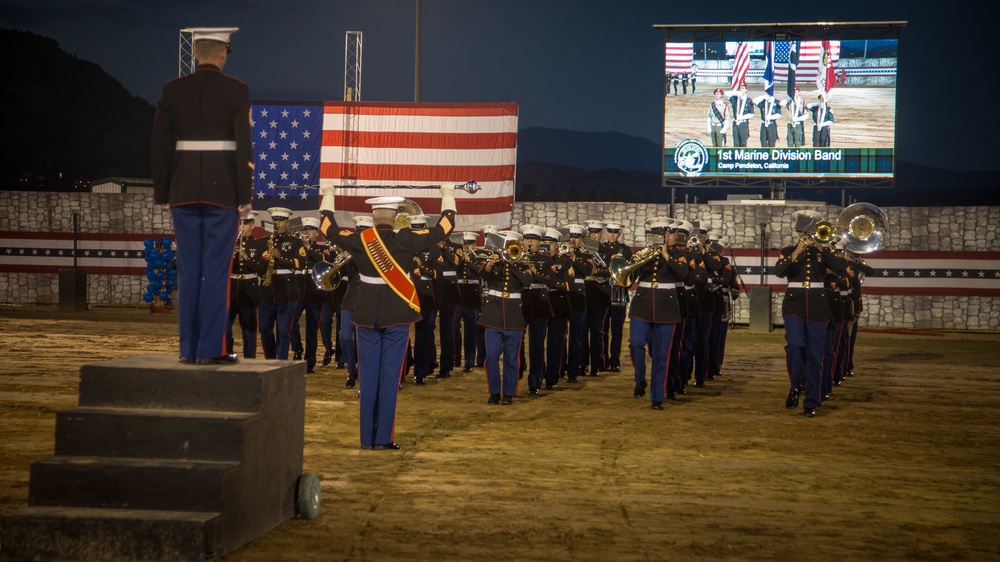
{"x":774,"y":109}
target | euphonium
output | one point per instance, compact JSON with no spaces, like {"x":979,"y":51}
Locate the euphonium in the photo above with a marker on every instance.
{"x":823,"y":232}
{"x":864,"y":226}
{"x":326,"y":275}
{"x":621,"y":268}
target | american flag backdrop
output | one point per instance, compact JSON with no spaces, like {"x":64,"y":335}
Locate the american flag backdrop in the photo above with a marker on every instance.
{"x":368,"y":149}
{"x":679,"y":57}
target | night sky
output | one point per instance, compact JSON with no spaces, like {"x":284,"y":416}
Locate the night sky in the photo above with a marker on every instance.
{"x":584,"y":65}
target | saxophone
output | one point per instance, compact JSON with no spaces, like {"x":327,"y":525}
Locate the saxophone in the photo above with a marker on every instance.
{"x":271,"y":266}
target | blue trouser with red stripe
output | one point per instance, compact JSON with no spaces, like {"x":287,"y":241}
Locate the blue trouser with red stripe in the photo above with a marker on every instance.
{"x":805,"y":343}
{"x":508,"y":344}
{"x":205,"y":236}
{"x":660,"y":338}
{"x":381,"y":352}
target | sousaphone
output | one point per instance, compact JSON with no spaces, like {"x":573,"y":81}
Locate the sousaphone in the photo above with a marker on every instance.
{"x":864,"y":227}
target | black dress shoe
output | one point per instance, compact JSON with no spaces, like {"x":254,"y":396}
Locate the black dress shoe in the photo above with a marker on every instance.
{"x":809,"y":412}
{"x":671,"y":395}
{"x":310,"y":370}
{"x":507,"y":400}
{"x":594,"y":373}
{"x":494,"y":399}
{"x":838,"y":383}
{"x":297,"y":356}
{"x":614,"y":369}
{"x":467,"y":370}
{"x":220,"y":360}
{"x":386,"y":447}
{"x":434,"y":365}
{"x":341,"y":365}
{"x":682,"y":391}
{"x":367,"y":447}
{"x":793,"y":399}
{"x":443,"y":375}
{"x":351,"y":380}
{"x":657,"y":405}
{"x":327,"y":357}
{"x":640,"y":389}
{"x":532,"y":392}
{"x":710,"y":377}
{"x":185,"y":361}
{"x":571,"y":379}
{"x":826,"y":396}
{"x":552,"y":386}
{"x":700,"y":384}
{"x":419,"y":381}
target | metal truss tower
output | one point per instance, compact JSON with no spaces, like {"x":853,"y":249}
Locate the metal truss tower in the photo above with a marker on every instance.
{"x":352,"y":66}
{"x":185,"y":53}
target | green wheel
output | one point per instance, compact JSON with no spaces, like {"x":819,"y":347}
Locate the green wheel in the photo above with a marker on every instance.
{"x":308,"y":497}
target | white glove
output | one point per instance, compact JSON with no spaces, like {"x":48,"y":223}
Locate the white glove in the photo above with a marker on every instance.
{"x":328,"y":190}
{"x":448,"y":197}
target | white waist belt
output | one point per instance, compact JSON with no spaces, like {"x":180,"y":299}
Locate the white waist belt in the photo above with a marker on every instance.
{"x":537,"y":286}
{"x":284,"y":271}
{"x":449,"y":273}
{"x":649,"y":285}
{"x":468,"y":281}
{"x":495,"y":293}
{"x":244,"y":277}
{"x":206,"y":145}
{"x":580,"y":281}
{"x":371,"y":280}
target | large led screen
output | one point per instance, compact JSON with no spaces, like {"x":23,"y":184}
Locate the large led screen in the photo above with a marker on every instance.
{"x":780,"y":109}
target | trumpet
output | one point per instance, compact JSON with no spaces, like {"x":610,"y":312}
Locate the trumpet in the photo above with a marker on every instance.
{"x":823,"y":232}
{"x":622,"y":269}
{"x":564,"y":248}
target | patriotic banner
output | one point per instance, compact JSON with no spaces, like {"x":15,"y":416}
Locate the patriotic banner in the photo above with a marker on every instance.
{"x":48,"y":252}
{"x":368,"y":149}
{"x":741,"y":64}
{"x":964,"y":274}
{"x":679,"y":57}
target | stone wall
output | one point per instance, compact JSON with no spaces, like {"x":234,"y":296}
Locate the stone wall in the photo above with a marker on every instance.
{"x":911,"y":229}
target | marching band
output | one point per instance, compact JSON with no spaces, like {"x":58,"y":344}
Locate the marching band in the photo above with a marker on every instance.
{"x":549,"y":304}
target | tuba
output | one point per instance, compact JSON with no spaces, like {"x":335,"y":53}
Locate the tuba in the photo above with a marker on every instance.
{"x":326,"y":275}
{"x":864,"y":227}
{"x":621,"y":268}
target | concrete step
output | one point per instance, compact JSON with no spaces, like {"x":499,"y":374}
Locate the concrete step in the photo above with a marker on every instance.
{"x":104,"y":482}
{"x":68,"y":533}
{"x":144,"y":433}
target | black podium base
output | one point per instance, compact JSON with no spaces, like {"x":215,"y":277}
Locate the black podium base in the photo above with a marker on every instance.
{"x":163,"y":461}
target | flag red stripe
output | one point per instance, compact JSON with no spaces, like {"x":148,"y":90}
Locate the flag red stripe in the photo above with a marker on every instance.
{"x":405,"y":173}
{"x":427,"y":109}
{"x":402,"y":139}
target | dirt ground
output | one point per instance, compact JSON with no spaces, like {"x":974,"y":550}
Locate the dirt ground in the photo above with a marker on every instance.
{"x":901,"y":464}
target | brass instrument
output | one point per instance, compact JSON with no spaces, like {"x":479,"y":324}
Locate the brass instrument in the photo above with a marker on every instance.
{"x":271,"y":265}
{"x":406,"y":209}
{"x":864,"y":227}
{"x":326,"y":275}
{"x":823,"y":233}
{"x":564,"y":248}
{"x":512,"y":251}
{"x":621,"y":268}
{"x":601,"y":273}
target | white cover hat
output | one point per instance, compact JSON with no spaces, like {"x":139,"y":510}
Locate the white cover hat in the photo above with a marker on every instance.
{"x":418,"y":219}
{"x":470,"y":237}
{"x":310,"y":222}
{"x":658,"y":223}
{"x":552,"y":234}
{"x":613,"y":226}
{"x":683,"y":226}
{"x":220,"y":34}
{"x":576,"y":229}
{"x":594,"y":225}
{"x":363,"y":221}
{"x":510,"y":235}
{"x":488,"y":228}
{"x":532,"y":231}
{"x":279,"y":213}
{"x":251,"y":216}
{"x":391,"y":202}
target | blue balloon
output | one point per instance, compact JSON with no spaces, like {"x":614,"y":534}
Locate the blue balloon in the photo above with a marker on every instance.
{"x":150,"y":275}
{"x":171,"y":282}
{"x":157,"y":263}
{"x":166,"y":302}
{"x":147,"y":297}
{"x":171,"y":271}
{"x":168,"y":255}
{"x":163,"y":295}
{"x":167,"y":242}
{"x":160,"y":275}
{"x":148,"y":242}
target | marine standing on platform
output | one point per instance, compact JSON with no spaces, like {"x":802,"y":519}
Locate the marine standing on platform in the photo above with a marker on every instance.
{"x":202,"y":166}
{"x":387,"y":302}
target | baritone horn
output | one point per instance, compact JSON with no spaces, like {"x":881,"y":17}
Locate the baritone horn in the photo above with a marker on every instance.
{"x":326,"y":275}
{"x":864,"y":227}
{"x":621,"y":268}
